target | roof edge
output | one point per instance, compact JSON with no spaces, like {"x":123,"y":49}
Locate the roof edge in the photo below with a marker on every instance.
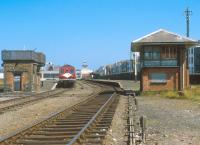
{"x":159,"y":30}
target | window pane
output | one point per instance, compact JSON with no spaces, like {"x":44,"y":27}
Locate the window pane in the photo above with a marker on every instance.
{"x":71,"y":71}
{"x":175,"y":52}
{"x":169,"y":62}
{"x":147,"y":55}
{"x":156,"y":55}
{"x":147,"y":49}
{"x":158,"y":77}
{"x":152,"y":53}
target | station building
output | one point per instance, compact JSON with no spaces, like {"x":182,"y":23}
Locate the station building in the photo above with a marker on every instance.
{"x":163,"y":59}
{"x":22,"y":70}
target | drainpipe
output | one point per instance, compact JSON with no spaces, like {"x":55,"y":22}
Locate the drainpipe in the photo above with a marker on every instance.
{"x":183,"y":75}
{"x":181,"y":70}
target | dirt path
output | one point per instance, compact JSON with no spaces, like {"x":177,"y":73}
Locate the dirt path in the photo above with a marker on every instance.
{"x":171,"y":121}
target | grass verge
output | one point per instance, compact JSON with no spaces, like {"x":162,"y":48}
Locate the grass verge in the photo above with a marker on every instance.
{"x":192,"y":93}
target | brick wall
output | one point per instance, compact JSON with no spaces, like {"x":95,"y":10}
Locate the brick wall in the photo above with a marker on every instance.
{"x":172,"y":82}
{"x":27,"y":71}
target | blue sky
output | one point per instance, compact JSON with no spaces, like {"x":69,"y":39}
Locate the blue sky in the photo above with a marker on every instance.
{"x":97,"y":31}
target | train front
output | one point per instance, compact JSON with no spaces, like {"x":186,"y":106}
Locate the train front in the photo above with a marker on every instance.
{"x":67,"y":76}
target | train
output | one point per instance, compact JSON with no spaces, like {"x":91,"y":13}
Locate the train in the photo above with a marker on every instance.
{"x":67,"y":76}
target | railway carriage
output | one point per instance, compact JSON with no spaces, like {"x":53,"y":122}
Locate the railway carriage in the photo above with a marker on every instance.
{"x":67,"y":76}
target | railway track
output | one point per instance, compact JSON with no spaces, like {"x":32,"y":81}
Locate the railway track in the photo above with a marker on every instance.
{"x":13,"y":103}
{"x":22,"y":96}
{"x":83,"y":123}
{"x":17,"y":102}
{"x":109,"y":87}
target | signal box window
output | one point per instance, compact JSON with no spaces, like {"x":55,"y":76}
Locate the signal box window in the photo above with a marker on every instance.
{"x":152,"y":53}
{"x":169,"y":52}
{"x":158,"y":77}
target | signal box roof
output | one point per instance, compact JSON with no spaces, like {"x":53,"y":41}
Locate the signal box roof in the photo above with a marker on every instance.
{"x":162,"y":37}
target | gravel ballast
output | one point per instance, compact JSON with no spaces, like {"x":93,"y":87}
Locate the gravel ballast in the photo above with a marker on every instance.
{"x":116,"y":133}
{"x":171,"y":121}
{"x":14,"y":120}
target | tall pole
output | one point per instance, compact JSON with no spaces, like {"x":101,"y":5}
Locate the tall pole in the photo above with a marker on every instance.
{"x":188,"y":13}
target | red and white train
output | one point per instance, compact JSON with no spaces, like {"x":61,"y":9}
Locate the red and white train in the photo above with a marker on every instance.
{"x":67,"y":76}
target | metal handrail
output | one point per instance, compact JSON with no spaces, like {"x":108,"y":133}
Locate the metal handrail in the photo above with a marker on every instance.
{"x":89,"y":123}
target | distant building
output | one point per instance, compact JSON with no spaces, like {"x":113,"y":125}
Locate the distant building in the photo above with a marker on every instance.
{"x":194,"y":59}
{"x":119,"y":70}
{"x":78,"y":73}
{"x":1,"y":80}
{"x":1,"y":75}
{"x":197,"y":59}
{"x":163,"y":60}
{"x":191,"y":60}
{"x":85,"y":71}
{"x":101,"y":71}
{"x":49,"y":72}
{"x":49,"y":75}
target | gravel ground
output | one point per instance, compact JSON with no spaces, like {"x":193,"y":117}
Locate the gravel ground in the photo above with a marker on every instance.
{"x":21,"y":117}
{"x":130,"y":84}
{"x":7,"y":98}
{"x":47,"y":85}
{"x":12,"y":95}
{"x":116,"y":132}
{"x":171,"y":121}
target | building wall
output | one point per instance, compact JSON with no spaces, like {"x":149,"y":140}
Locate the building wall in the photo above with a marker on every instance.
{"x":197,"y":60}
{"x":167,"y":76}
{"x":184,"y":71}
{"x":194,"y":60}
{"x":191,"y":60}
{"x":29,"y":76}
{"x":172,"y":80}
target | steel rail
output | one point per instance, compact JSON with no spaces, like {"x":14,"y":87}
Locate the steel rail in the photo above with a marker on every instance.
{"x":131,"y":114}
{"x":28,"y":96}
{"x":41,"y":122}
{"x":31,"y":95}
{"x":74,"y":140}
{"x":28,"y":130}
{"x":29,"y":100}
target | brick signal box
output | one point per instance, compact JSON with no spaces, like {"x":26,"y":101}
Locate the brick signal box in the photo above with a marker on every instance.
{"x":163,"y":59}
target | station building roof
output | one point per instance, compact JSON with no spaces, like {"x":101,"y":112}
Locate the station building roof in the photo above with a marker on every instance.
{"x":160,"y":37}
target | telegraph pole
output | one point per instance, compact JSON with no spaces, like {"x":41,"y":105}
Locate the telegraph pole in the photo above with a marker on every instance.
{"x":188,"y":13}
